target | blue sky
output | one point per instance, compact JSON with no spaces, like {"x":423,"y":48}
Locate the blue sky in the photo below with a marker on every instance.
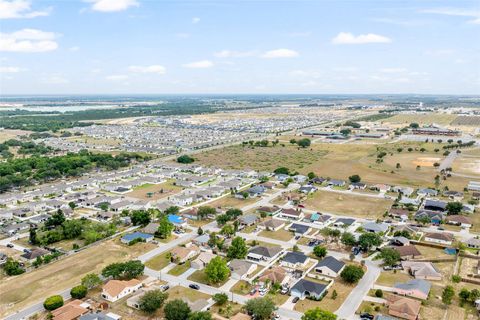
{"x":196,"y":46}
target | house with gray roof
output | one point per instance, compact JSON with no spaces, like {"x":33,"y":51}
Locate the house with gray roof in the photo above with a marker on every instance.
{"x":299,"y":229}
{"x":330,"y":266}
{"x":294,"y":260}
{"x":375,"y":227}
{"x":416,"y":288}
{"x":248,"y":219}
{"x":261,"y":253}
{"x":241,"y":269}
{"x":308,"y":289}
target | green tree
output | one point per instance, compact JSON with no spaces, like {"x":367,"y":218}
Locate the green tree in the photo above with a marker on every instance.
{"x":379,"y":293}
{"x":447,"y":295}
{"x":185,"y":159}
{"x":454,"y":207}
{"x":56,"y":219}
{"x":293,"y":141}
{"x":311,"y":175}
{"x":238,"y":249}
{"x":320,"y":251}
{"x":79,"y":292}
{"x":124,"y":270}
{"x":260,"y":308}
{"x":172,"y":210}
{"x":355,"y":178}
{"x":464,"y":295}
{"x":390,"y":256}
{"x":227,"y":230}
{"x":91,"y":280}
{"x":217,"y":270}
{"x":140,"y":217}
{"x":152,"y":300}
{"x":176,"y":310}
{"x":304,"y":143}
{"x":200,"y":315}
{"x":352,"y":273}
{"x":165,"y":227}
{"x":53,"y":302}
{"x":348,"y":239}
{"x":206,"y":211}
{"x":12,"y":267}
{"x":281,"y":170}
{"x":318,"y":314}
{"x":414,"y":125}
{"x":368,"y":240}
{"x":220,"y":298}
{"x":346,"y":131}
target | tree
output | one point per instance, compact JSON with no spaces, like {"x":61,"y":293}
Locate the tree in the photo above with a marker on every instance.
{"x":91,"y":280}
{"x":233,"y":213}
{"x":176,"y":310}
{"x":206,"y":211}
{"x":464,"y":295}
{"x":260,"y":308}
{"x":318,"y":314}
{"x":79,"y":292}
{"x":352,"y":273}
{"x":72,"y":205}
{"x":348,"y":239}
{"x":104,"y":206}
{"x":304,"y":142}
{"x":238,"y":249}
{"x":320,"y":251}
{"x":200,"y":315}
{"x":311,"y":175}
{"x":12,"y":267}
{"x":185,"y":159}
{"x":165,"y":227}
{"x":293,"y":141}
{"x":379,"y":293}
{"x":346,"y":131}
{"x":227,"y":230}
{"x":217,"y":270}
{"x":124,"y":270}
{"x":414,"y":125}
{"x":390,"y":256}
{"x":334,"y":294}
{"x":447,"y":295}
{"x":172,"y":210}
{"x":281,"y":170}
{"x":140,"y":217}
{"x":33,"y":236}
{"x":53,"y":302}
{"x":355,"y":178}
{"x":56,"y":219}
{"x":454,"y":207}
{"x":220,"y":298}
{"x":222,"y":219}
{"x":152,"y":300}
{"x":199,"y":231}
{"x":368,"y":240}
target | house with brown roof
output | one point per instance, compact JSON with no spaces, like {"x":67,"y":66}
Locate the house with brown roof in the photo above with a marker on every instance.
{"x":275,"y":275}
{"x":70,"y":311}
{"x":459,"y":220}
{"x":182,"y":254}
{"x":295,"y":214}
{"x":114,"y":290}
{"x":408,"y":252}
{"x":439,"y":237}
{"x":403,"y":308}
{"x":396,"y":213}
{"x":202,"y":260}
{"x":272,"y":225}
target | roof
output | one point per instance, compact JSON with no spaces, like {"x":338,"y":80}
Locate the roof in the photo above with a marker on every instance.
{"x":99,"y":316}
{"x":444,"y":236}
{"x":268,"y":209}
{"x":240,"y":267}
{"x":114,"y":287}
{"x":265,"y":251}
{"x":205,"y":257}
{"x":415,"y":284}
{"x":295,"y":257}
{"x":291,"y":212}
{"x":331,"y":263}
{"x":299,"y":228}
{"x":276,"y":274}
{"x":151,"y":228}
{"x":376,"y":227}
{"x":473,"y":241}
{"x":273,"y":223}
{"x":410,"y":250}
{"x":248,"y":219}
{"x":202,"y":238}
{"x":136,"y":235}
{"x":459,"y":219}
{"x":401,"y":306}
{"x":312,"y":287}
{"x":183,"y":252}
{"x":70,"y":311}
{"x":419,"y":268}
{"x":345,"y":221}
{"x":34,"y":253}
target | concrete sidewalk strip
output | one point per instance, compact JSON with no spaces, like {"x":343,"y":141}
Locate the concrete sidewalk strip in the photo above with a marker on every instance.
{"x":187,"y":273}
{"x":168,"y":267}
{"x":374,"y":299}
{"x":228,"y":285}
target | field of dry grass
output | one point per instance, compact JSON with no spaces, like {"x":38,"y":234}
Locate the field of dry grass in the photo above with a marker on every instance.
{"x":427,"y":118}
{"x":7,"y":134}
{"x":155,"y":191}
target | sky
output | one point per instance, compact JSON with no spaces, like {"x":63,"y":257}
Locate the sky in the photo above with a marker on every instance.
{"x":214,"y":46}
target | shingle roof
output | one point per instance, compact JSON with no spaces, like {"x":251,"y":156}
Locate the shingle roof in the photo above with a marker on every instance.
{"x":331,"y":263}
{"x":295,"y":257}
{"x":415,"y":284}
{"x":265,"y":251}
{"x":312,"y":287}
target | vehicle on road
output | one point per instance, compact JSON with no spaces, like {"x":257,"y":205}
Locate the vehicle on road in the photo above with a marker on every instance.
{"x":194,"y":286}
{"x":164,"y":287}
{"x":295,"y":300}
{"x":366,"y":315}
{"x":9,"y":245}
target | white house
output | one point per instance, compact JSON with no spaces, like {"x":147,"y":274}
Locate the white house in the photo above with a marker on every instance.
{"x":114,"y":290}
{"x":330,"y":267}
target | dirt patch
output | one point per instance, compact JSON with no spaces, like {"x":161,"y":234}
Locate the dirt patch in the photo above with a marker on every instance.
{"x":425,"y":161}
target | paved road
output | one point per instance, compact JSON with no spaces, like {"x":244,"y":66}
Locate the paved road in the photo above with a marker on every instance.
{"x":10,"y":240}
{"x":37,"y":307}
{"x":166,"y":247}
{"x":448,"y":161}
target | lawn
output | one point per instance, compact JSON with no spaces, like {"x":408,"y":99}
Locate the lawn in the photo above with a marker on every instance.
{"x":227,"y":310}
{"x":389,"y":278}
{"x":179,"y":269}
{"x":200,"y":277}
{"x":370,"y":307}
{"x":242,"y":287}
{"x":433,"y":253}
{"x":18,"y":292}
{"x":342,"y":289}
{"x":159,"y":261}
{"x":180,"y":292}
{"x":346,"y":204}
{"x":155,"y":191}
{"x":232,"y":202}
{"x":426,"y":118}
{"x":282,"y":234}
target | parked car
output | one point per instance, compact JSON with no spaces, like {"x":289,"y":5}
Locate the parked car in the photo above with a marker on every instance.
{"x":295,"y":300}
{"x":297,"y":237}
{"x":387,"y":268}
{"x":194,"y":286}
{"x":441,"y":228}
{"x":164,"y":287}
{"x":253,"y":291}
{"x":9,"y":245}
{"x":366,"y":315}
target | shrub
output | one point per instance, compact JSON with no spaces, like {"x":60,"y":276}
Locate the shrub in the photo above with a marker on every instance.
{"x":379,"y":293}
{"x":79,"y":292}
{"x":53,"y":302}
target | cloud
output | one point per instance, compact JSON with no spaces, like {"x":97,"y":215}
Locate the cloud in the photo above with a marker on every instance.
{"x":54,"y":79}
{"x":20,"y":9}
{"x":117,"y":77}
{"x":28,"y":40}
{"x":459,"y":12}
{"x":280,"y":53}
{"x":112,"y":5}
{"x":202,"y":64}
{"x":349,"y":38}
{"x":393,"y":70}
{"x":158,"y":69}
{"x":11,"y":69}
{"x":195,"y":20}
{"x":233,"y":54}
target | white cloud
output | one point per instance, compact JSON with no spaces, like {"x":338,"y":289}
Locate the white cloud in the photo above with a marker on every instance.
{"x":202,"y":64}
{"x":233,"y":54}
{"x":16,"y":9}
{"x":112,"y":5}
{"x":11,"y":69}
{"x":349,"y":38}
{"x":280,"y":53}
{"x":28,"y":40}
{"x":459,"y":12}
{"x":117,"y":77}
{"x":393,"y":70}
{"x":195,"y":20}
{"x":158,"y":69}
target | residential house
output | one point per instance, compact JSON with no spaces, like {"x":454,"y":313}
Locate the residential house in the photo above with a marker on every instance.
{"x":416,"y":288}
{"x":202,"y":240}
{"x":34,"y":253}
{"x":294,"y":214}
{"x":71,"y":310}
{"x":248,"y":220}
{"x":294,"y":260}
{"x":343,"y":222}
{"x":191,"y":214}
{"x":439,"y":237}
{"x":275,"y":275}
{"x":307,"y":189}
{"x":474,"y":186}
{"x":435,"y":217}
{"x":473,"y":243}
{"x":400,"y":241}
{"x":100,"y":316}
{"x":403,"y":308}
{"x":41,"y":218}
{"x":336,"y":183}
{"x":408,"y":252}
{"x":330,"y":267}
{"x":202,"y":260}
{"x":270,"y":211}
{"x":316,"y":217}
{"x":182,"y":254}
{"x":375,"y":227}
{"x":256,"y":191}
{"x":271,"y":225}
{"x":177,"y":221}
{"x":383,"y":188}
{"x":406,"y":191}
{"x":262,"y":253}
{"x":151,"y":228}
{"x":136,"y":236}
{"x":422,"y":270}
{"x":424,"y":192}
{"x":16,"y":227}
{"x":435,"y":205}
{"x":308,"y":289}
{"x":114,"y":290}
{"x":299,"y":229}
{"x":459,"y":220}
{"x":400,"y":214}
{"x":357,"y":185}
{"x":241,"y":269}
{"x":182,"y":200}
{"x":453,"y":195}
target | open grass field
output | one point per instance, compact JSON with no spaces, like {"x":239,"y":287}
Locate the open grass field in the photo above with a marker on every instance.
{"x":340,"y":161}
{"x":7,"y":134}
{"x":19,"y":291}
{"x":281,"y":234}
{"x":389,"y":278}
{"x":242,"y":287}
{"x":426,"y":118}
{"x":329,"y":304}
{"x":154,"y":191}
{"x":180,"y":292}
{"x":200,"y":277}
{"x":473,"y":121}
{"x":179,"y":269}
{"x":352,"y":205}
{"x":469,"y":165}
{"x":232,"y":202}
{"x":159,"y":261}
